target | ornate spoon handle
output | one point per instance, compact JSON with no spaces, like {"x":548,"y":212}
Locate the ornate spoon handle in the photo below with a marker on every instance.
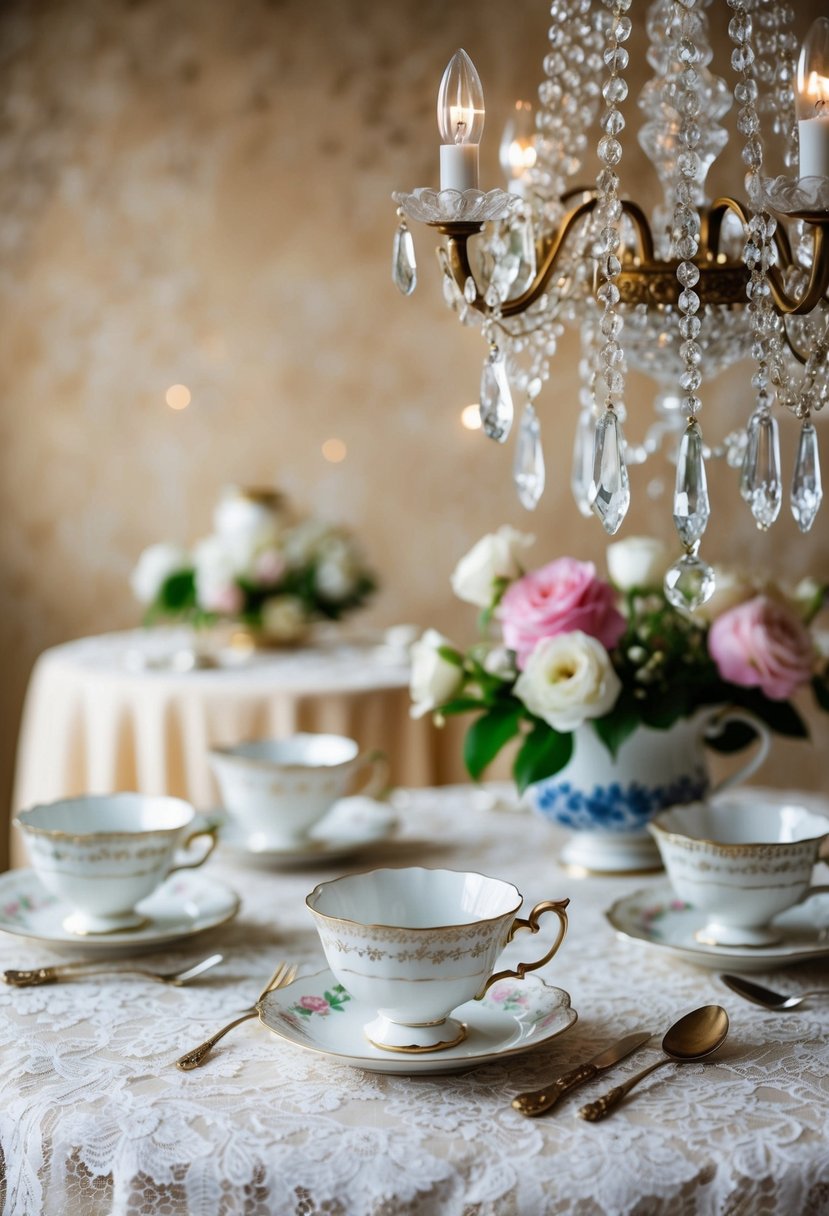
{"x":536,"y":1101}
{"x":602,"y":1107}
{"x":192,"y":1059}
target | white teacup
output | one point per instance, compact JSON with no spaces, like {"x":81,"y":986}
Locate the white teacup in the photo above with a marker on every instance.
{"x":414,"y":944}
{"x":103,"y":853}
{"x":741,"y":862}
{"x":276,"y":790}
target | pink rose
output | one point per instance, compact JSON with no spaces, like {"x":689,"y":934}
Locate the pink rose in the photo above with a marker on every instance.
{"x":224,"y":598}
{"x":762,"y":644}
{"x":561,"y":597}
{"x":269,"y":567}
{"x":316,"y":1004}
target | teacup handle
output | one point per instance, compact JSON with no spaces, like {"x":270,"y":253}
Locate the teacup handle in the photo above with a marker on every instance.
{"x":211,"y":832}
{"x":548,"y":905}
{"x":377,"y":776}
{"x":716,"y":723}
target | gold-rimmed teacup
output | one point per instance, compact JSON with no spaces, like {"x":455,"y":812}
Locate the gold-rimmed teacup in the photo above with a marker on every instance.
{"x":101,"y":854}
{"x":413,"y":944}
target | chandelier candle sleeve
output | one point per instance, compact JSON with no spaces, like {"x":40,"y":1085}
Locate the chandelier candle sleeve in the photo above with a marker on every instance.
{"x":813,"y":101}
{"x":461,"y":123}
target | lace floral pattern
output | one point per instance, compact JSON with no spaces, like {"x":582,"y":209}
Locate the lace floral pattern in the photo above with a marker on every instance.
{"x":95,"y":1119}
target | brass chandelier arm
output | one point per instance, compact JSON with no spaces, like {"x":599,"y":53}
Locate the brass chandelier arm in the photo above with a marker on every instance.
{"x":819,"y":272}
{"x":461,"y":270}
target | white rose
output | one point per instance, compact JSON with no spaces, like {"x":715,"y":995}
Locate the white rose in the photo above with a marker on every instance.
{"x":154,"y":567}
{"x":306,"y":540}
{"x":500,"y":662}
{"x":216,"y":589}
{"x":434,"y":680}
{"x":637,"y":563}
{"x":567,"y":679}
{"x":494,"y":556}
{"x":283,"y":618}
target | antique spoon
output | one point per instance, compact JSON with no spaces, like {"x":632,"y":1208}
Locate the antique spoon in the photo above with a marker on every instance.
{"x":767,"y":998}
{"x":71,"y":971}
{"x":691,"y":1038}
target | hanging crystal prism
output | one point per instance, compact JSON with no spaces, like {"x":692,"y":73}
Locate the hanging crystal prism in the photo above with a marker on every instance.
{"x":763,"y":483}
{"x":496,"y":397}
{"x":749,"y":456}
{"x":691,"y":506}
{"x":807,"y":489}
{"x":610,"y":487}
{"x":689,"y":583}
{"x":403,"y":264}
{"x":581,"y":476}
{"x":528,"y":467}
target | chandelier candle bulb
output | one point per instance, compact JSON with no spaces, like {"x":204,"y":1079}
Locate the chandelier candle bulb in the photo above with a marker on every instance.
{"x":461,"y":123}
{"x":813,"y":101}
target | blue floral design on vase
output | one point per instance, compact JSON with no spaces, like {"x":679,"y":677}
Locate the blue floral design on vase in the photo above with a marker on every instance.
{"x":607,"y":802}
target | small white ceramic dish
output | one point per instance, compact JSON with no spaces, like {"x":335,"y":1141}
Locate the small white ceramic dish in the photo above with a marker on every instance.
{"x":317,"y":1013}
{"x":186,"y":904}
{"x":742,"y":862}
{"x":352,"y":826}
{"x":657,"y":917}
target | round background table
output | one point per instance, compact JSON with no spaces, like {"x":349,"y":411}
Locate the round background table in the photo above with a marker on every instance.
{"x":111,"y":713}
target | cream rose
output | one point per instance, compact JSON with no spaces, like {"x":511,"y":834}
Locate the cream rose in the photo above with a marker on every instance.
{"x":567,"y":679}
{"x":495,"y":556}
{"x":637,"y":563}
{"x":154,"y":567}
{"x":434,"y":680}
{"x":284,"y":618}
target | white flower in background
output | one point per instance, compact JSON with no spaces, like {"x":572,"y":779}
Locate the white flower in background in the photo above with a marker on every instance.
{"x":500,"y":662}
{"x":434,"y":680}
{"x":304,"y":542}
{"x":283,"y":618}
{"x":806,"y":598}
{"x":337,"y":572}
{"x":732,"y":587}
{"x":567,"y":679}
{"x":246,"y":525}
{"x":154,"y":567}
{"x":637,"y":563}
{"x":495,"y":556}
{"x":216,"y":587}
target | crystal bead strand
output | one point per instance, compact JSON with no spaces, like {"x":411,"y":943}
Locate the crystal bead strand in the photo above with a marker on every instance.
{"x":690,"y":581}
{"x":403,"y":264}
{"x":760,"y":480}
{"x":610,"y":487}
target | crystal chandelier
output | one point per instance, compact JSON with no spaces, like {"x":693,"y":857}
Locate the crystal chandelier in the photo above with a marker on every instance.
{"x":681,"y":293}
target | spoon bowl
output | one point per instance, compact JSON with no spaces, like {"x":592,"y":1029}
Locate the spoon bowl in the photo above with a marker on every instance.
{"x":693,"y":1037}
{"x":767,"y":998}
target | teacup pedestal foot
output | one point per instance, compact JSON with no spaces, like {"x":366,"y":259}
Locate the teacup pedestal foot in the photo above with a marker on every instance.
{"x":84,"y":923}
{"x":611,"y":853}
{"x":716,"y":934}
{"x":414,"y":1038}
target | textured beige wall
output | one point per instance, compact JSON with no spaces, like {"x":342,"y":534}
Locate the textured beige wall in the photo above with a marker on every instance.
{"x":197,"y":191}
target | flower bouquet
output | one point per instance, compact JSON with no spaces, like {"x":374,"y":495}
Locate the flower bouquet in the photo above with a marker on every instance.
{"x":260,"y":568}
{"x":607,"y":687}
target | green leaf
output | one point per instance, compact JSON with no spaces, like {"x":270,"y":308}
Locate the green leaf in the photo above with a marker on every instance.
{"x":543,"y":753}
{"x":178,"y":592}
{"x":782,"y":717}
{"x":616,"y":726}
{"x":450,"y":655}
{"x":461,"y":705}
{"x":487,"y":736}
{"x":733,"y":738}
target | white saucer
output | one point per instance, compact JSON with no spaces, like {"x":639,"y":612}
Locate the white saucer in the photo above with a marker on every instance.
{"x":351,"y":826}
{"x":182,"y":906}
{"x":317,"y":1013}
{"x":657,"y":917}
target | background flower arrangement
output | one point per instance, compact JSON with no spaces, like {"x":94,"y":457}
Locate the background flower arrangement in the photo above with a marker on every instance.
{"x":576,"y":648}
{"x":260,"y":566}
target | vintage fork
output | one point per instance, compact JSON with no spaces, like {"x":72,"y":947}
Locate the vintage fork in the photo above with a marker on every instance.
{"x":283,"y":976}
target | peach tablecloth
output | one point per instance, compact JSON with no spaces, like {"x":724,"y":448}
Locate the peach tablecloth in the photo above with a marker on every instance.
{"x":98,"y":718}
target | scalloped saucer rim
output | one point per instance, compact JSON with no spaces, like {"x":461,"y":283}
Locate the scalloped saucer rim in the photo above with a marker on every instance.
{"x":184,"y":905}
{"x":330,"y":1024}
{"x":654,"y":916}
{"x":351,"y":825}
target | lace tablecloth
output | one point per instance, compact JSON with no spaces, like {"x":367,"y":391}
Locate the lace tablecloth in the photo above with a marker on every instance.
{"x":95,"y":1119}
